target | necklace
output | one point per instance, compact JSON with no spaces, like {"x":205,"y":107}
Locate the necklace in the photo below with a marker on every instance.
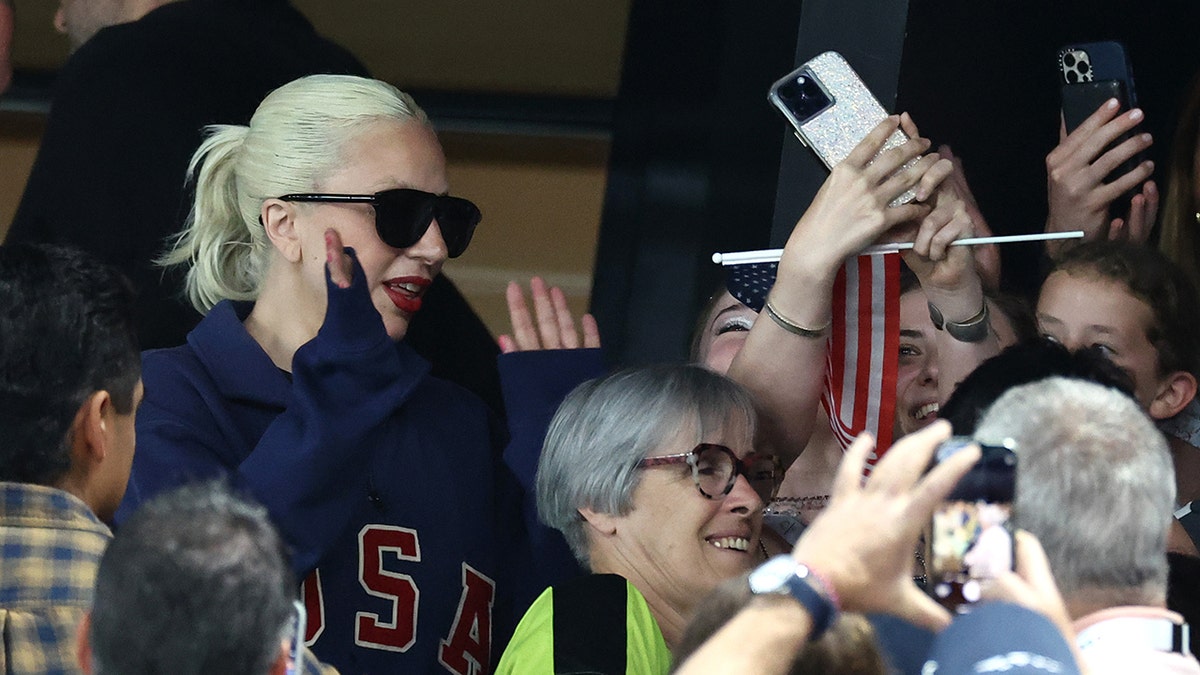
{"x":793,"y":505}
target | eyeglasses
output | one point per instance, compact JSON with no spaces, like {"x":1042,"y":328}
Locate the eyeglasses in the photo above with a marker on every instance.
{"x":715,"y":469}
{"x":403,"y":215}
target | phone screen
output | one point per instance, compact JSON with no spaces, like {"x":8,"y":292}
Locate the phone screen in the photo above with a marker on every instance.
{"x":970,"y":535}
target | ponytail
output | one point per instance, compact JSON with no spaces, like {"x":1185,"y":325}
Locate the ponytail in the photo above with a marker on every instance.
{"x":221,"y":245}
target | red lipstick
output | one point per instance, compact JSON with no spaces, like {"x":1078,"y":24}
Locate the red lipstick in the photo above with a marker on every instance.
{"x":406,"y":292}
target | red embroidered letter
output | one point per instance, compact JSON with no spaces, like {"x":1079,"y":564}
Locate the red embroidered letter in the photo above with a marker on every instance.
{"x":469,"y":646}
{"x":400,"y":632}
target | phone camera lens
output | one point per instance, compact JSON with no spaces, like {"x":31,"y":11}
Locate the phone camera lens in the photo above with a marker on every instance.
{"x":1069,"y":60}
{"x":1072,"y":76}
{"x":802,"y":96}
{"x":1084,"y":67}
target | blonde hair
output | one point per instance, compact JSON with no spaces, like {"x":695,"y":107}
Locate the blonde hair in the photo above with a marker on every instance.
{"x":294,"y":139}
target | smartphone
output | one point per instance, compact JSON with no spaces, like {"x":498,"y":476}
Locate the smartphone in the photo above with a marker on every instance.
{"x":970,"y":535}
{"x":832,"y":110}
{"x":1089,"y":70}
{"x":1081,"y":99}
{"x":1097,"y":61}
{"x":1091,"y":73}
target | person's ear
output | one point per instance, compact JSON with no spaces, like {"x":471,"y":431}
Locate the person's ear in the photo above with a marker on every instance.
{"x":83,"y":644}
{"x":279,"y":221}
{"x":93,"y":423}
{"x":604,"y":524}
{"x":1175,"y":392}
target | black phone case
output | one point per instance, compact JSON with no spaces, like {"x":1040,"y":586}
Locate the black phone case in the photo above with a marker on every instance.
{"x":1108,"y":61}
{"x":1082,"y":99}
{"x":1109,"y":75}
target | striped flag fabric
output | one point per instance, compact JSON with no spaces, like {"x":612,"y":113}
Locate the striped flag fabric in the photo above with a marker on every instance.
{"x":864,"y":346}
{"x":863,"y":358}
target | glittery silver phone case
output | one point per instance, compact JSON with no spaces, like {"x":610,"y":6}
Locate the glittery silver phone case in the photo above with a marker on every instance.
{"x":852,"y":113}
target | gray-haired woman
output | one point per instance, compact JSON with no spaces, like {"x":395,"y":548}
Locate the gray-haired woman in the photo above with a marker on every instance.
{"x":652,"y":476}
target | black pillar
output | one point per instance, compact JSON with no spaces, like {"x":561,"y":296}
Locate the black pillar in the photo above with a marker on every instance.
{"x":870,"y":34}
{"x":694,"y":160}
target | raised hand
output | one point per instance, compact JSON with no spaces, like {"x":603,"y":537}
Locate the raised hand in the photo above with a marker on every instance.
{"x":863,"y":541}
{"x":1079,"y":199}
{"x":341,"y":267}
{"x":951,"y":282}
{"x":783,"y":370}
{"x":851,"y":209}
{"x":987,"y":256}
{"x":555,"y":325}
{"x":936,"y":263}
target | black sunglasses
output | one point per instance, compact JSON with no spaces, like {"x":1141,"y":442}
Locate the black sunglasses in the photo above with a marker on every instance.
{"x":403,"y":215}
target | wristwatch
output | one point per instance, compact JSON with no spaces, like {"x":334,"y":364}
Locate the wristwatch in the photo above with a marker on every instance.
{"x":974,"y":329}
{"x":783,"y":575}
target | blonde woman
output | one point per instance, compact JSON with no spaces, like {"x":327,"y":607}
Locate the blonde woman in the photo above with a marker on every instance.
{"x":298,"y":385}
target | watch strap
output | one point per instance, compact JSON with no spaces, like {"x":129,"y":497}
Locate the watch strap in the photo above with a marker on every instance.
{"x":803,"y":585}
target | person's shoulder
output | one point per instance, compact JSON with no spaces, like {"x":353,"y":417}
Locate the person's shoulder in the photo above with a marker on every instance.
{"x":115,"y":62}
{"x":115,"y":48}
{"x":169,"y":371}
{"x":170,"y":358}
{"x":174,"y":374}
{"x":531,"y":648}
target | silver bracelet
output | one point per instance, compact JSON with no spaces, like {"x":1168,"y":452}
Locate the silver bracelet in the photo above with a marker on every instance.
{"x":793,"y":327}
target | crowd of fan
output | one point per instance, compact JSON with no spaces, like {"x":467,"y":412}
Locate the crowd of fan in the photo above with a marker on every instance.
{"x":306,"y":495}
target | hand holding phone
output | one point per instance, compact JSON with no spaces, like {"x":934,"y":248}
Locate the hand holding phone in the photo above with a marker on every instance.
{"x":1098,"y":175}
{"x":832,"y":110}
{"x":970,"y":538}
{"x":1090,"y":75}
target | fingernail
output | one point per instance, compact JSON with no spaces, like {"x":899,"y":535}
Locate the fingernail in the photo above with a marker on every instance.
{"x":1111,"y":104}
{"x":1147,"y":138}
{"x":1136,"y":114}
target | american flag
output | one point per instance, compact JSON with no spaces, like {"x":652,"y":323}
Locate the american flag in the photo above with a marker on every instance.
{"x":860,"y":376}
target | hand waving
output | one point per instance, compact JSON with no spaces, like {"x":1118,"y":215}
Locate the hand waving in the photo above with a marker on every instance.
{"x":555,"y":328}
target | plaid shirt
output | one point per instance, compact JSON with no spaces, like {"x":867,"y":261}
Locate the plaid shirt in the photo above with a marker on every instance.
{"x":50,"y":547}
